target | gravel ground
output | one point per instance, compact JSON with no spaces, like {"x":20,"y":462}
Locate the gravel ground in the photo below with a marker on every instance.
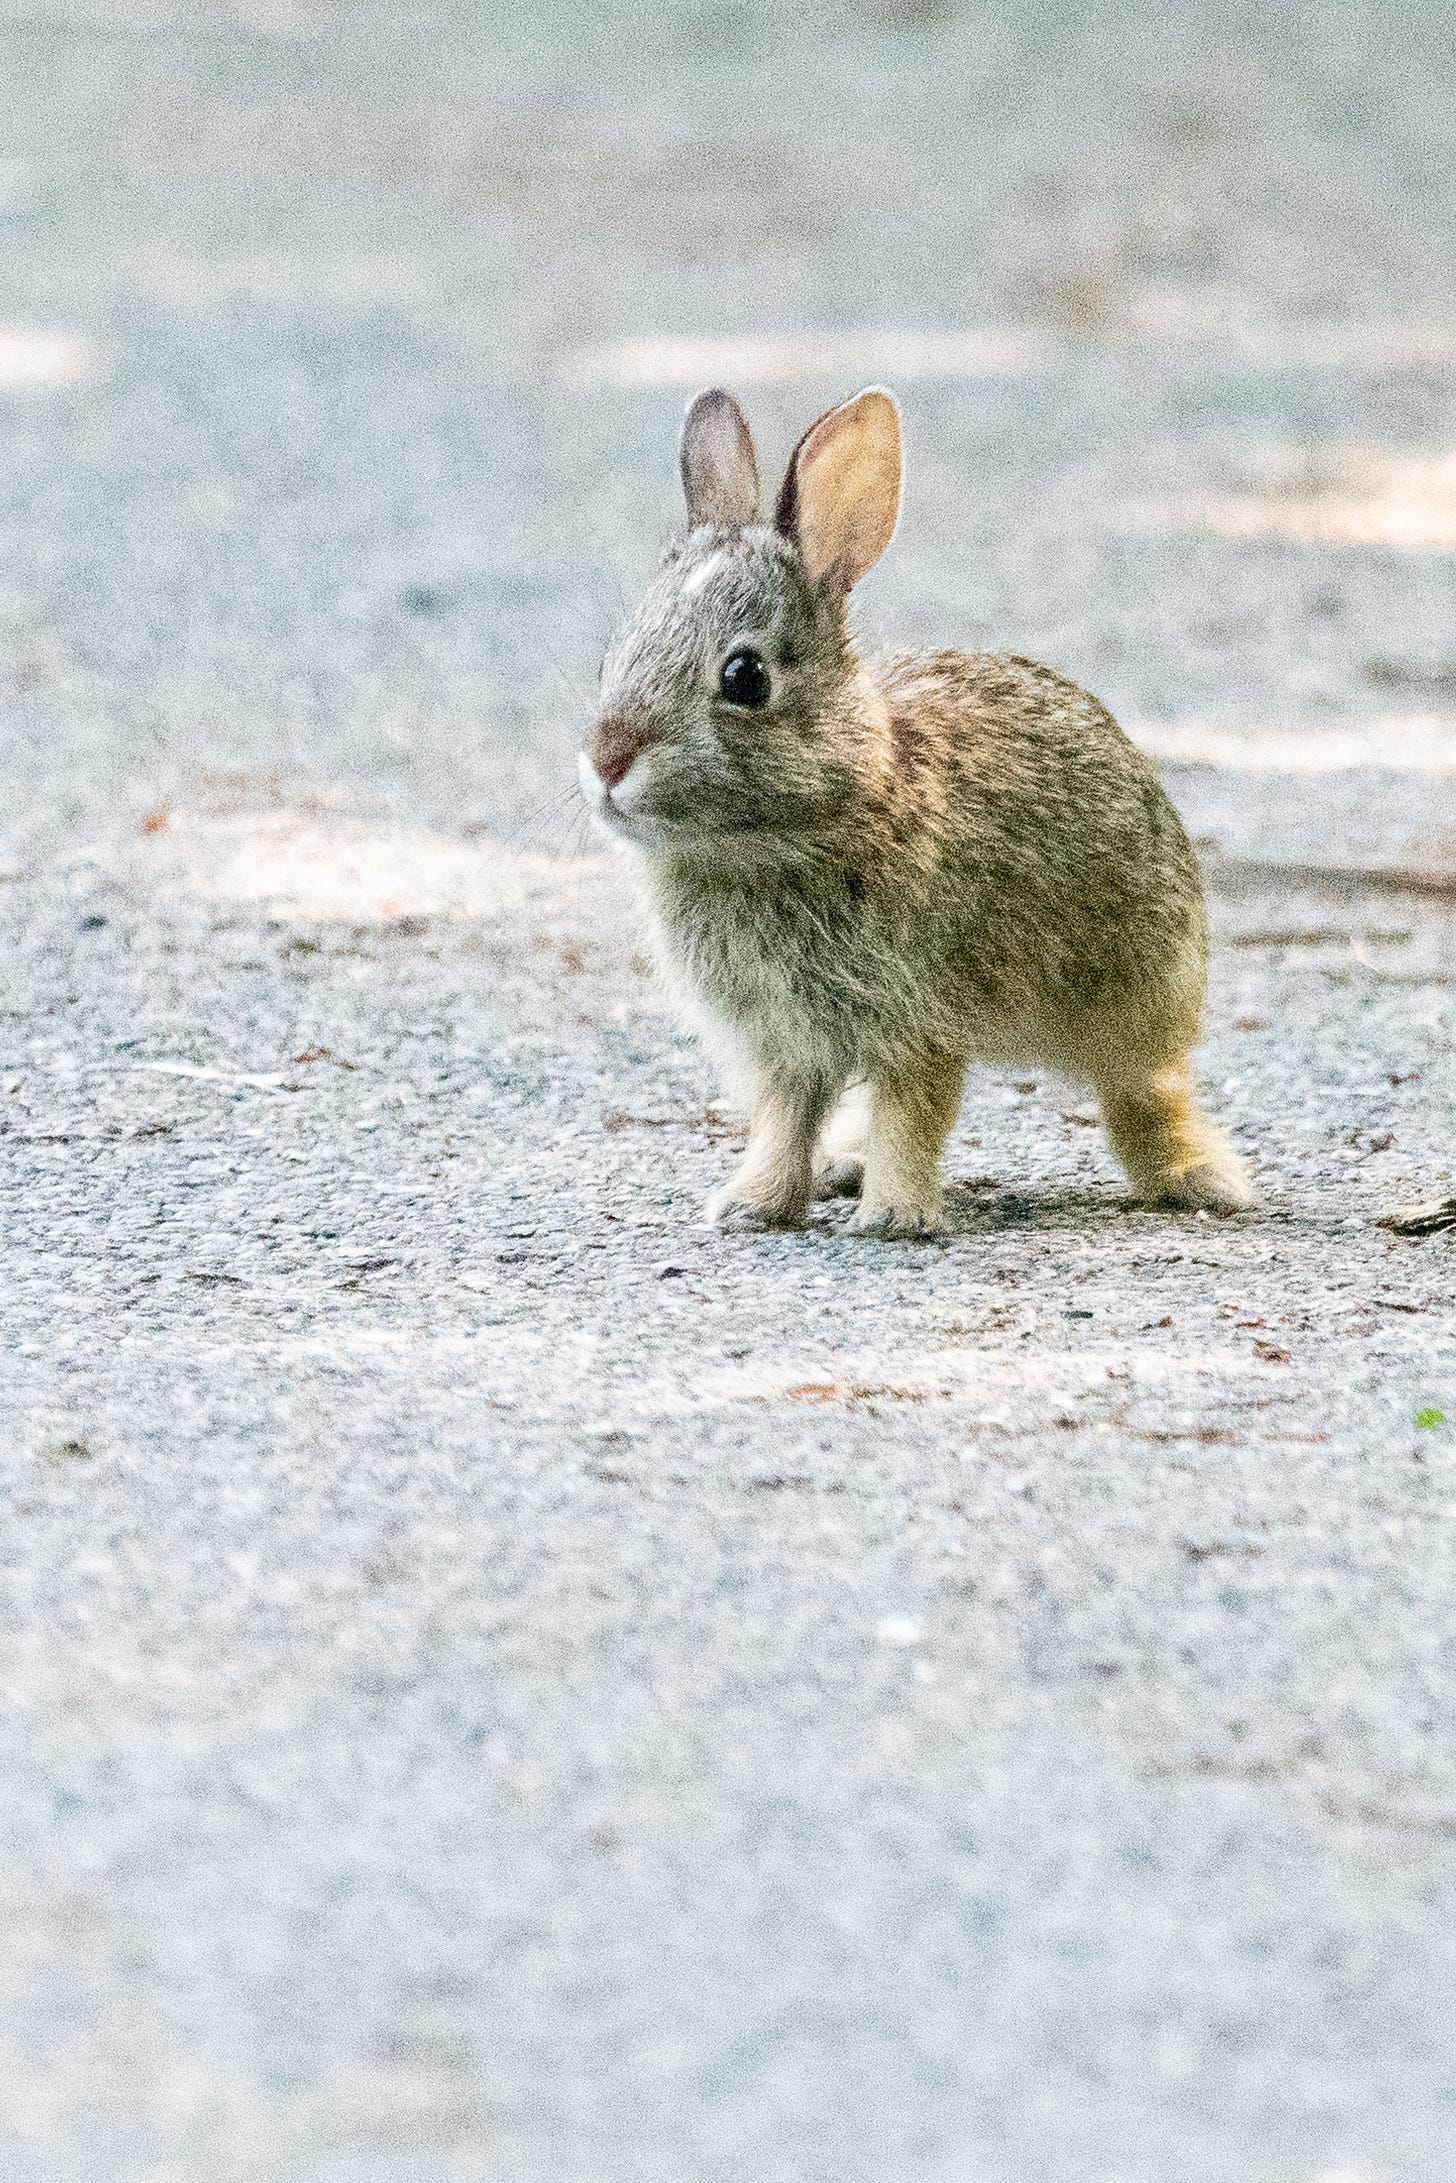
{"x":500,"y":1680}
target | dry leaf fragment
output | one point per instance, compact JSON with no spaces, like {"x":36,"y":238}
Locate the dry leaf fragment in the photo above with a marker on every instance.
{"x":1422,"y":1220}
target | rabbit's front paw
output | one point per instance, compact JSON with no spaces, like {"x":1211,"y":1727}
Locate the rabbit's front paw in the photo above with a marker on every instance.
{"x":730,"y":1208}
{"x":904,"y":1222}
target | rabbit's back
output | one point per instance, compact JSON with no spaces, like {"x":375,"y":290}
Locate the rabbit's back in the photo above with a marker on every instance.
{"x":1050,"y":875}
{"x":1029,"y":771}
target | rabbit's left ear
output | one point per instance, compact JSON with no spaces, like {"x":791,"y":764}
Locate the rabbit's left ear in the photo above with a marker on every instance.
{"x":841,"y":496}
{"x":719,"y":468}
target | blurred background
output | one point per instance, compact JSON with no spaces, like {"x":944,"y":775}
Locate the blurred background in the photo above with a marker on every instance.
{"x":343,"y":346}
{"x":496,"y":1680}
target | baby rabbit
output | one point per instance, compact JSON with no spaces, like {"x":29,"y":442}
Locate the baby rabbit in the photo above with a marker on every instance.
{"x":869,"y":872}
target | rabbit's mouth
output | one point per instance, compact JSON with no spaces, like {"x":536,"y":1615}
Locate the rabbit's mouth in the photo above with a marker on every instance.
{"x":628,"y":825}
{"x":618,"y":804}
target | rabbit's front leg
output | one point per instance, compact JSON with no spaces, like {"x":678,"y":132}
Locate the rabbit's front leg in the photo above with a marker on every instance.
{"x":774,"y":1181}
{"x":912,"y":1112}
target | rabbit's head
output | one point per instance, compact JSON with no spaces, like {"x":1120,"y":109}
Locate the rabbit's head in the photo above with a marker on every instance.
{"x":726,"y":703}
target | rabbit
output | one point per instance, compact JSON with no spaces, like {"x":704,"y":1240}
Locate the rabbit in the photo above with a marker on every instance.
{"x":868,"y":872}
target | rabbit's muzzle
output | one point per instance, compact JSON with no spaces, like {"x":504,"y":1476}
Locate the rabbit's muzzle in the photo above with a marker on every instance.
{"x":614,"y":745}
{"x":613,"y":781}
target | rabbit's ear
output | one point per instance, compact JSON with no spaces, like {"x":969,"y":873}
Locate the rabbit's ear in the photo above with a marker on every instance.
{"x":719,"y":468}
{"x":841,"y":496}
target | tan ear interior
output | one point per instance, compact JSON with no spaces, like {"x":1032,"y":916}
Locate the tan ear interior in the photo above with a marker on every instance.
{"x":845,"y":495}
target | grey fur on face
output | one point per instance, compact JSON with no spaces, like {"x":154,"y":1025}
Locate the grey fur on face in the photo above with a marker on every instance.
{"x":716,"y":769}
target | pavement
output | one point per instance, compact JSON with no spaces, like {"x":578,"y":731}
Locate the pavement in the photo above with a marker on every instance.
{"x":499,"y":1680}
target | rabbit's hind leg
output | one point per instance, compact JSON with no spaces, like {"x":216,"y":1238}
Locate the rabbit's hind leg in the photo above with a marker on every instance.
{"x":912,"y":1112}
{"x":839,"y":1158}
{"x":1173,"y":1154}
{"x":773,"y":1183}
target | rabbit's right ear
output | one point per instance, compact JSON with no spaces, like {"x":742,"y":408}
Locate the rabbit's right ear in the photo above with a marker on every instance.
{"x":719,"y":467}
{"x":840,"y":499}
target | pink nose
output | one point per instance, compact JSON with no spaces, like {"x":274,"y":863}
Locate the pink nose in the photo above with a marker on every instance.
{"x":615,"y":744}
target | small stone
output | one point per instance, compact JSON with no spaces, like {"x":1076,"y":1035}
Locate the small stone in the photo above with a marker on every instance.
{"x":424,"y":599}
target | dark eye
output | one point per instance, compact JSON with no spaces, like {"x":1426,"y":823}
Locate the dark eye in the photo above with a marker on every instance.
{"x":745,"y":680}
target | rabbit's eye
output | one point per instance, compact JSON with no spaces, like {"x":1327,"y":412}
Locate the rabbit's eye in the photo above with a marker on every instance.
{"x":745,"y":680}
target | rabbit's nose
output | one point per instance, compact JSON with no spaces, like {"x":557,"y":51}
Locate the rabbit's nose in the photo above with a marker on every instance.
{"x":615,"y":744}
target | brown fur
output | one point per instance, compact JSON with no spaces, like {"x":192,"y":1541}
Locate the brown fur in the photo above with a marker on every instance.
{"x":894,"y":868}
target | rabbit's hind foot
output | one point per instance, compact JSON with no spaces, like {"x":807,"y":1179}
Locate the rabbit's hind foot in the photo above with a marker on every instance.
{"x":1211,"y":1186}
{"x":839,"y":1158}
{"x":841,"y":1177}
{"x":1173,"y":1154}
